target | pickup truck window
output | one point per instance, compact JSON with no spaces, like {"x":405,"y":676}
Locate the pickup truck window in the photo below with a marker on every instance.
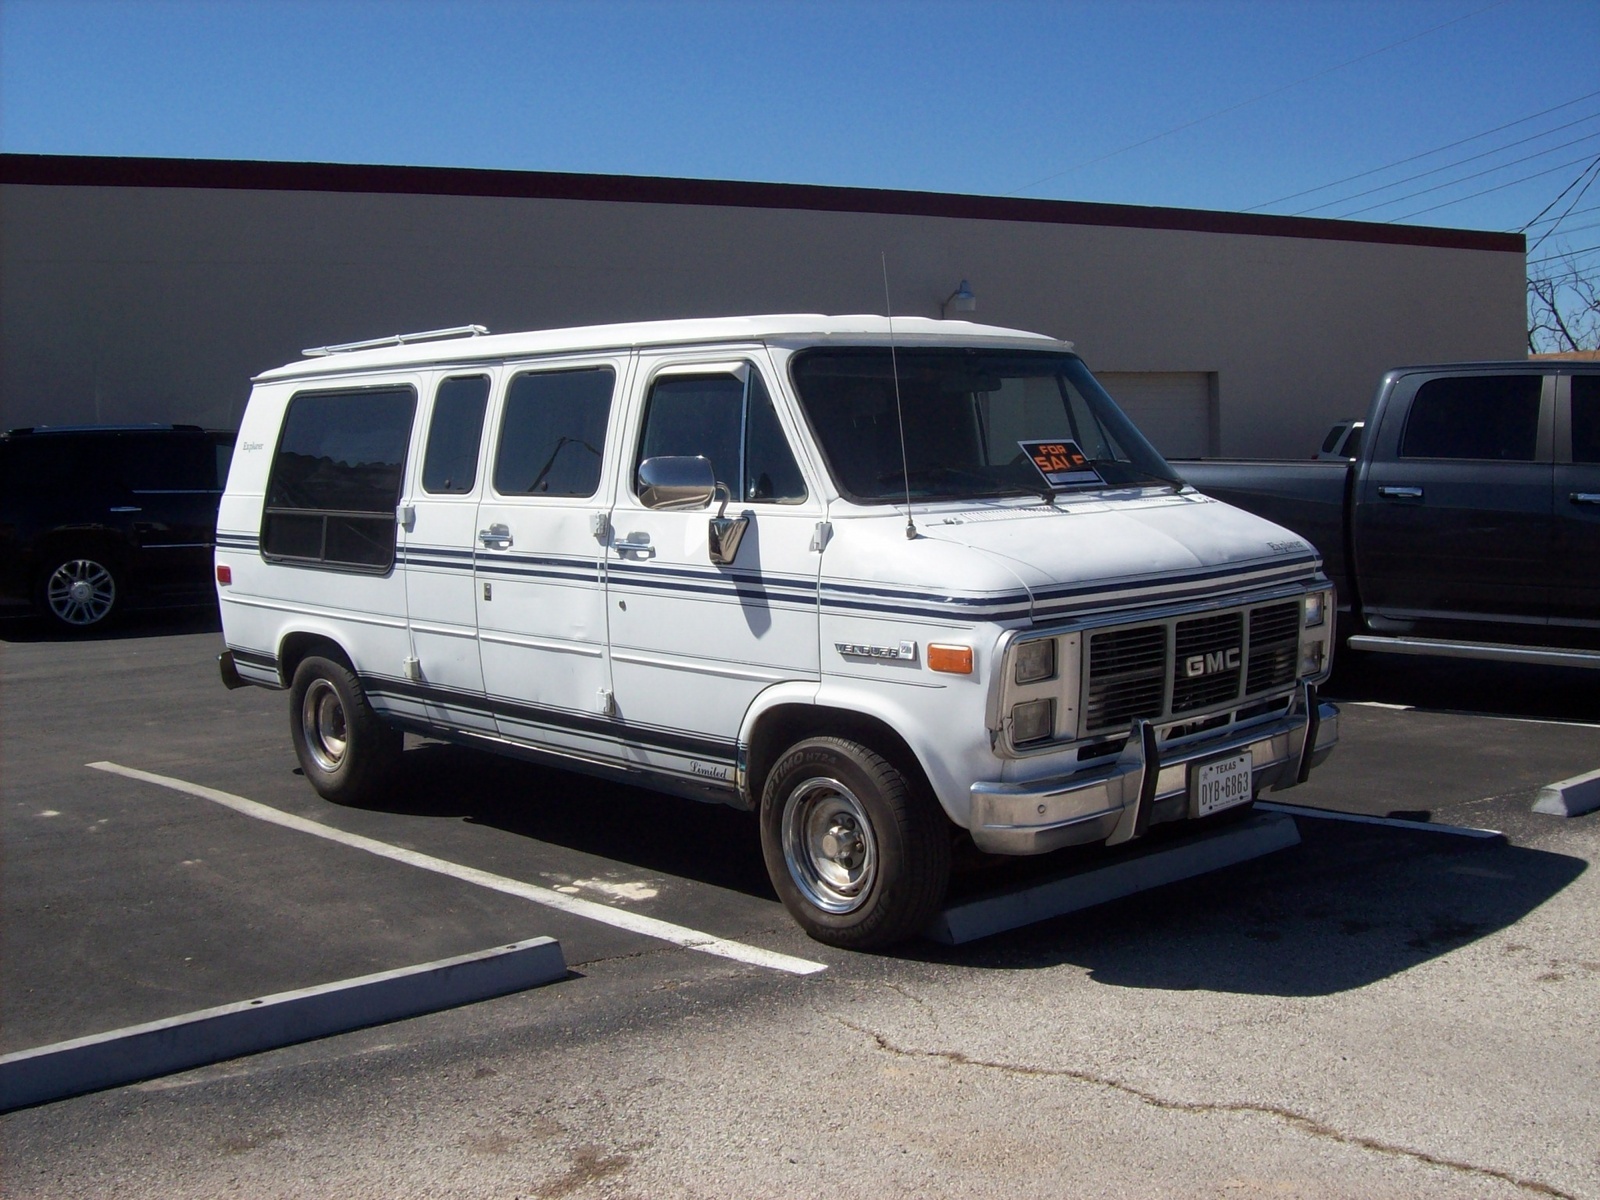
{"x":553,"y":431}
{"x":1586,"y":418}
{"x":1475,"y":416}
{"x":964,"y":413}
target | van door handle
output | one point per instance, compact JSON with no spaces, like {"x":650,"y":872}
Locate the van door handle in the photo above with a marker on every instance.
{"x":1401,"y":493}
{"x":496,"y":537}
{"x":1585,"y":497}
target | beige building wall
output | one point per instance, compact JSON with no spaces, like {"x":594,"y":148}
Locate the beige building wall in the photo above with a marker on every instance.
{"x":133,"y":303}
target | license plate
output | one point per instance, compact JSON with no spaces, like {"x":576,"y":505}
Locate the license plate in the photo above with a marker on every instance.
{"x":1220,"y":783}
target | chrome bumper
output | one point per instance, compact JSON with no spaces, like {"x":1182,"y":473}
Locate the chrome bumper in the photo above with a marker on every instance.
{"x":1145,"y":786}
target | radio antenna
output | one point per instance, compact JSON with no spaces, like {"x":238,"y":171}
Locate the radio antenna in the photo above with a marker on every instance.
{"x":899,"y":415}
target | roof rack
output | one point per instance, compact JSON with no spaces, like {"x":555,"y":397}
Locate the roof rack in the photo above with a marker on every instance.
{"x":397,"y":339}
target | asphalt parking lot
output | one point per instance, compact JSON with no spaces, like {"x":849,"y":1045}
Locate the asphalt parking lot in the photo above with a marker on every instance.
{"x":1383,"y":1010}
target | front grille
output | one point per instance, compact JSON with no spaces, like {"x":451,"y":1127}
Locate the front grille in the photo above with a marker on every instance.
{"x":1205,"y":670}
{"x":1127,"y":675}
{"x":1183,"y":665}
{"x":1274,"y":646}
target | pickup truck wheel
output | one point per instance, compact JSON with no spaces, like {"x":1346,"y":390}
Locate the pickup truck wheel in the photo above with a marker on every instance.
{"x":79,"y":593}
{"x":859,"y":855}
{"x":345,"y":749}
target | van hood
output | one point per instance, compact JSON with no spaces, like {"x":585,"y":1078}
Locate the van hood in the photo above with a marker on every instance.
{"x":1044,"y":562}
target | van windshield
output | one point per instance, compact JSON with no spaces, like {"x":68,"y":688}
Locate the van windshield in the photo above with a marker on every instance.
{"x":967,"y":414}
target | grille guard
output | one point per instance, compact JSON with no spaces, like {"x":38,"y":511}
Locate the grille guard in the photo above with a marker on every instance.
{"x":1118,"y":802}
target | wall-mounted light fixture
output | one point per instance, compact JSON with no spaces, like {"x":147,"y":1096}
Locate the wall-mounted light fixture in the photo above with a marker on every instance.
{"x":961,"y":300}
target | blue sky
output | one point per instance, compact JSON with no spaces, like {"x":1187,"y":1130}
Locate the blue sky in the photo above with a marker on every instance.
{"x":1215,"y":104}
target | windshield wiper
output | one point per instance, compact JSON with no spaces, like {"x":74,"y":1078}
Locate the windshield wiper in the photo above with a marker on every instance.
{"x":1132,"y":474}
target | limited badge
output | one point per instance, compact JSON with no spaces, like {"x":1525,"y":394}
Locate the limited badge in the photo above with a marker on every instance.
{"x":1061,"y":463}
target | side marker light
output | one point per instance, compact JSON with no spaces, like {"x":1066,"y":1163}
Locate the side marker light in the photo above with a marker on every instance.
{"x":954,"y":660}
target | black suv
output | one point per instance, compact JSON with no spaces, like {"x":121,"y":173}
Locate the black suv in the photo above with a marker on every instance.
{"x":96,"y":519}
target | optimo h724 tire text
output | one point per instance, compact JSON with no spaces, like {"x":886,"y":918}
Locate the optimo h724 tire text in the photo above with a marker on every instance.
{"x":859,"y":854}
{"x":346,"y":750}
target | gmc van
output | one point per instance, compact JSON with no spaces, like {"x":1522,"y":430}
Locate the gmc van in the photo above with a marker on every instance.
{"x":890,"y":585}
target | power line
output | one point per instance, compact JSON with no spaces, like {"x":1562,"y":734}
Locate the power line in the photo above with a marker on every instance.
{"x":1257,"y":99}
{"x":1451,"y":182}
{"x":1429,"y":153}
{"x":1593,"y":174}
{"x":1577,"y":212}
{"x":1533,"y":262}
{"x":1476,"y":175}
{"x":1486,"y":191}
{"x":1556,"y":202}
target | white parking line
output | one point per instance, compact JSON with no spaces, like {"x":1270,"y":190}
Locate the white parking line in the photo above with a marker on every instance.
{"x":678,"y":935}
{"x":1450,"y":712}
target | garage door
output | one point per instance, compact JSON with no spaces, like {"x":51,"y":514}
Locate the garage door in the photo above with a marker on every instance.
{"x":1174,"y":409}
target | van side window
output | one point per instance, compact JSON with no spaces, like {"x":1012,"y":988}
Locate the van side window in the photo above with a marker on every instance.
{"x":1474,"y":416}
{"x":770,"y":471}
{"x":730,"y":421}
{"x":336,"y":478}
{"x":553,"y":433}
{"x":1586,"y":418}
{"x":450,"y":464}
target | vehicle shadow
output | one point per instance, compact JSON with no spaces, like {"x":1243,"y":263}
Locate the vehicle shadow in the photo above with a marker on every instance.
{"x":710,"y":843}
{"x":147,"y":623}
{"x":1466,"y":686}
{"x":1351,"y":905}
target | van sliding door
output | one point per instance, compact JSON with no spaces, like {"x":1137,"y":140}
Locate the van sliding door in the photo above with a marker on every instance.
{"x":540,"y":590}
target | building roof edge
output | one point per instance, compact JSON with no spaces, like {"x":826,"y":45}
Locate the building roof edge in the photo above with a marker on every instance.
{"x":259,"y":175}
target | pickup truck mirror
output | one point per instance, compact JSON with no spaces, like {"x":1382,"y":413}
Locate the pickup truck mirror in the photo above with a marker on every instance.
{"x":676,"y":482}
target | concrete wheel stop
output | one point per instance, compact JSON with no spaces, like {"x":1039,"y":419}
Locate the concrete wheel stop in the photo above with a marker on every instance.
{"x":1570,"y":797}
{"x":982,"y":916}
{"x":197,"y":1039}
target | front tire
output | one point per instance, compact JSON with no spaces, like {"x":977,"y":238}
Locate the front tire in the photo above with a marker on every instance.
{"x":80,"y":593}
{"x":859,"y":853}
{"x":345,"y":749}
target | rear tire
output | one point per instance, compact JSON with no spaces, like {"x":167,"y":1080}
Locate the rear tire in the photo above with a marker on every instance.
{"x":859,"y":853}
{"x":345,"y":749}
{"x":79,"y":592}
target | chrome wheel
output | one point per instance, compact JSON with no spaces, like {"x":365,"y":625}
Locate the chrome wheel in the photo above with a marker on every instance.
{"x":828,"y":845}
{"x":80,"y":592}
{"x":323,"y":720}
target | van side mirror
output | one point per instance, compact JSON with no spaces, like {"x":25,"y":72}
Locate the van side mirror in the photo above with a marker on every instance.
{"x":676,"y":482}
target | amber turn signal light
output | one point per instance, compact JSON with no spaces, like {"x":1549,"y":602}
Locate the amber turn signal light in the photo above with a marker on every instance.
{"x":956,"y":660}
{"x":224,"y":574}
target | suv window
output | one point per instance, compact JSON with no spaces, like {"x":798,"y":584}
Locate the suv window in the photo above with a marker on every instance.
{"x":553,"y":432}
{"x":1475,"y":416}
{"x":169,"y":462}
{"x":336,"y":478}
{"x":450,"y":466}
{"x":732,"y":422}
{"x":1586,"y":418}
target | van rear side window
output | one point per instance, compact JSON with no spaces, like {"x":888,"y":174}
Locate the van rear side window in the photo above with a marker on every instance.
{"x":553,"y":432}
{"x":336,"y":478}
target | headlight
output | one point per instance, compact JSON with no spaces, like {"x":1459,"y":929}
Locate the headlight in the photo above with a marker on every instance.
{"x":1316,"y":609}
{"x":1033,"y":721}
{"x":1036,"y":660}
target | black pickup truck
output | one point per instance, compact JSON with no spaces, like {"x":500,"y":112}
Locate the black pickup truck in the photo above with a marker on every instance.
{"x":1470,"y":523}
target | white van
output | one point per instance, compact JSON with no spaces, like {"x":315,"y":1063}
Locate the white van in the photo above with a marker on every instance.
{"x":890,"y":586}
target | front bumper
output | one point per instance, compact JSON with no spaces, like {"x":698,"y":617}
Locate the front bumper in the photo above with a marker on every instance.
{"x":1145,"y":786}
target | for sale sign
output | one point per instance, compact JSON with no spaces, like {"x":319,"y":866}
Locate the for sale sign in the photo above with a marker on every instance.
{"x":1061,"y":463}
